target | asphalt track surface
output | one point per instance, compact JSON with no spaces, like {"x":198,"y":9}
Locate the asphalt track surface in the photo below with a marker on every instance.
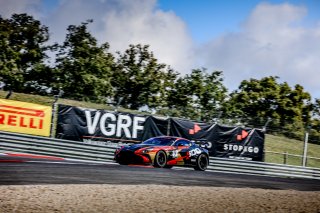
{"x":20,"y":171}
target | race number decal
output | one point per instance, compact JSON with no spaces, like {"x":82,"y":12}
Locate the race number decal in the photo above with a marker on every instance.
{"x":174,"y":153}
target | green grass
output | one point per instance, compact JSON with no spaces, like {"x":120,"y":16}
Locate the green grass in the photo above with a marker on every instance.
{"x":282,"y":145}
{"x":48,"y":101}
{"x":272,"y":143}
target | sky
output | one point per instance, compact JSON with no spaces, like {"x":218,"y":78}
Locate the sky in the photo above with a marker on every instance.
{"x":243,"y":38}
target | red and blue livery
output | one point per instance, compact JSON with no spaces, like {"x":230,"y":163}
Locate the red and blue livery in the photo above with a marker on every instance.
{"x":164,"y":152}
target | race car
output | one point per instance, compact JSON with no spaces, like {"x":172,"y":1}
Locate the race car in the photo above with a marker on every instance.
{"x":164,"y":152}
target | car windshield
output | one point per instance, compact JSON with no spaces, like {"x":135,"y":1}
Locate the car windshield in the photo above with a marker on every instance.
{"x":159,"y":141}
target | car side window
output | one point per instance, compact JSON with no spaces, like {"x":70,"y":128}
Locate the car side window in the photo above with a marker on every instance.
{"x":182,"y":143}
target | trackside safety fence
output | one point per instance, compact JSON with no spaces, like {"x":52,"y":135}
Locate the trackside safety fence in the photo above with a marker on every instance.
{"x":21,"y":143}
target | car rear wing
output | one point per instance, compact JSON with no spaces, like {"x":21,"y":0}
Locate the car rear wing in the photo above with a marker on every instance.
{"x":204,"y":143}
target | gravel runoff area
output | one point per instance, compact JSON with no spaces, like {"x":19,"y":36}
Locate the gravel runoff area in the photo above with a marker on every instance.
{"x":153,"y":198}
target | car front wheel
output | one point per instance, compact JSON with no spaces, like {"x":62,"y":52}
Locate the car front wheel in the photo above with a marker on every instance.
{"x":160,"y":160}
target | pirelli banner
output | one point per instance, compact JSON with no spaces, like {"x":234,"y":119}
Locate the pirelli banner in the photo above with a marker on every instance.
{"x":105,"y":127}
{"x":27,"y":118}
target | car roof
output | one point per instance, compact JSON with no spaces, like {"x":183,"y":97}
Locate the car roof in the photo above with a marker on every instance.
{"x":172,"y":137}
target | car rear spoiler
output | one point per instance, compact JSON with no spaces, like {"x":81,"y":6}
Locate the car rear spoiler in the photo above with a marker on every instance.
{"x":204,"y":143}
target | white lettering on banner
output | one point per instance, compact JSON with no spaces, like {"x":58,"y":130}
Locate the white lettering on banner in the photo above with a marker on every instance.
{"x":92,"y":124}
{"x":240,"y":148}
{"x":124,"y":122}
{"x":209,"y":145}
{"x":111,"y":127}
{"x":136,"y":126}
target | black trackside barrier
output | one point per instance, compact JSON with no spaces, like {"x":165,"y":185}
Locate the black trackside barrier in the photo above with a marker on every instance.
{"x":104,"y":127}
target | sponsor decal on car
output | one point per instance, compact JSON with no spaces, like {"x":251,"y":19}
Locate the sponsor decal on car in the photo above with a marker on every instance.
{"x":194,"y":152}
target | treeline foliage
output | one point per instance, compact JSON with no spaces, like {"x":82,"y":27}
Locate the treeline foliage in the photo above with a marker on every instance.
{"x":135,"y":79}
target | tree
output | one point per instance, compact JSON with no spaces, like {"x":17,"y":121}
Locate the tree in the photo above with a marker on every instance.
{"x":316,"y":108}
{"x":139,"y":80}
{"x":257,"y":100}
{"x":199,"y":95}
{"x":22,"y":44}
{"x":84,"y":68}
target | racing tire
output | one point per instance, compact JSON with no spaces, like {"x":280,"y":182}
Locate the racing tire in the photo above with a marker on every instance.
{"x":168,"y":166}
{"x":202,"y":163}
{"x":160,"y":160}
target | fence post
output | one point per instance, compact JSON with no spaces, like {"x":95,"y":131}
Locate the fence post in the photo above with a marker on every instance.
{"x":285,"y":158}
{"x":169,"y":126}
{"x":264,"y":128}
{"x":53,"y":116}
{"x":305,"y":149}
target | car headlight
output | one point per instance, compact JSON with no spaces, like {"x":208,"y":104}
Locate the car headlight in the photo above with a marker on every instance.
{"x":145,"y":151}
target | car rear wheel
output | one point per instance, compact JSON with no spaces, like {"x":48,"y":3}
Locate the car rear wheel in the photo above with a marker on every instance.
{"x":201,"y":163}
{"x":160,"y":160}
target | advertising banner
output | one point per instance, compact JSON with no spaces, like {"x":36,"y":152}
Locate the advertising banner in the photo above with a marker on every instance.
{"x":106,"y":127}
{"x":94,"y":126}
{"x":27,"y":118}
{"x":222,"y":141}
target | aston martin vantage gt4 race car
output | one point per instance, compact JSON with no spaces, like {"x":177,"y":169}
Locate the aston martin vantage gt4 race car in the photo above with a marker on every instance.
{"x":164,"y":152}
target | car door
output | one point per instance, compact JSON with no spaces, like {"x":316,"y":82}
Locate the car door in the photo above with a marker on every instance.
{"x":182,"y":148}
